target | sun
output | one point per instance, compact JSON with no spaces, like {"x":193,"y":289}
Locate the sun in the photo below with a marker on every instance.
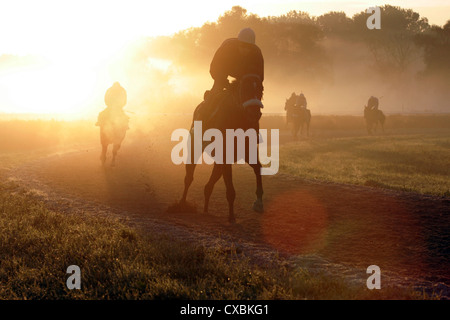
{"x":81,"y":43}
{"x":54,"y":89}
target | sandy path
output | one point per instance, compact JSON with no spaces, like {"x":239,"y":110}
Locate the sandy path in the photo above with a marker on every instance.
{"x":339,"y":229}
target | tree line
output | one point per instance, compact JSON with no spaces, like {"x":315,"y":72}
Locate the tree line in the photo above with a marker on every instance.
{"x":293,"y":42}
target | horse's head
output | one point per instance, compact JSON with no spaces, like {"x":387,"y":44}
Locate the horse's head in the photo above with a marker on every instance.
{"x":250,"y":93}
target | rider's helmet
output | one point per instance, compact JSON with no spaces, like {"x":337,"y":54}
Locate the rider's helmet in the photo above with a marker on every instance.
{"x":373,"y":102}
{"x":247,"y":35}
{"x":116,"y":96}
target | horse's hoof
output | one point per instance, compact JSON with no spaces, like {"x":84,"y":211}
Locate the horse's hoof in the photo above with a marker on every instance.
{"x":258,"y":206}
{"x":231,"y":219}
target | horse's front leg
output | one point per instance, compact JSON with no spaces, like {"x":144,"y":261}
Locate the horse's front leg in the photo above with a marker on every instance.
{"x":231,"y":193}
{"x":295,"y":130}
{"x":103,"y":154}
{"x":368,"y":127}
{"x":116,"y":148}
{"x":258,"y":204}
{"x":215,"y":176}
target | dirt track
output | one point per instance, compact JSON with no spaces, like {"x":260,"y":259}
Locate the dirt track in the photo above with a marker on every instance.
{"x":334,"y":228}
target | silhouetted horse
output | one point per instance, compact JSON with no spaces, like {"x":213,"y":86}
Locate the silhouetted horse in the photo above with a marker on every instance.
{"x":238,"y":107}
{"x":113,"y":123}
{"x":373,"y":118}
{"x":299,"y":118}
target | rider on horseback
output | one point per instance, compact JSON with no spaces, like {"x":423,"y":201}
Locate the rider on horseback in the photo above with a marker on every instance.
{"x":372,"y":104}
{"x":373,"y":115}
{"x":290,"y":103}
{"x":113,"y":121}
{"x":115,"y":100}
{"x":294,"y":105}
{"x":236,"y":57}
{"x":301,"y":101}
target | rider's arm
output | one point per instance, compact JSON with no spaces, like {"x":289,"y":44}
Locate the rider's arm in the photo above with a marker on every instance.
{"x":221,"y":64}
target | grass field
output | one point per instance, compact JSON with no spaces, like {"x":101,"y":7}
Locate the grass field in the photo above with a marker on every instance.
{"x":418,"y":163}
{"x":117,"y":262}
{"x":37,"y":245}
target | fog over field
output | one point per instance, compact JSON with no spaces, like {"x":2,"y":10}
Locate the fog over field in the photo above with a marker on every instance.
{"x":335,"y":60}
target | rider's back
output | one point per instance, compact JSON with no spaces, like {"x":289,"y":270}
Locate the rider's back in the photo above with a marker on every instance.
{"x":236,"y":58}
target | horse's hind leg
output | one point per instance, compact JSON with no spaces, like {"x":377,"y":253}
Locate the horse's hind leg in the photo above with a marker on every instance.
{"x":215,"y":176}
{"x":258,"y":204}
{"x":231,"y":193}
{"x":189,"y":177}
{"x":295,"y":130}
{"x":369,"y":128}
{"x":103,"y":154}
{"x":116,"y":148}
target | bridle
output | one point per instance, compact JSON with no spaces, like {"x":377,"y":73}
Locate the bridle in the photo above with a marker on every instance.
{"x":254,"y":99}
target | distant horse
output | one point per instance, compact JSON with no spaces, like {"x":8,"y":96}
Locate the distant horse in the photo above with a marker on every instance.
{"x":373,"y":118}
{"x":238,"y":107}
{"x":300,"y":117}
{"x":113,"y":125}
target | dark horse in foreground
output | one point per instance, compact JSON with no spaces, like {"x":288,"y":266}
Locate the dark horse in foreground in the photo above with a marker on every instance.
{"x":113,"y":123}
{"x":237,"y":107}
{"x":374,"y":117}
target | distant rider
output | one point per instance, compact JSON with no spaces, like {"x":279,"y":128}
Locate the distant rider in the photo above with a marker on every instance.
{"x":372,"y":104}
{"x":290,"y":103}
{"x":115,"y":100}
{"x":301,"y":101}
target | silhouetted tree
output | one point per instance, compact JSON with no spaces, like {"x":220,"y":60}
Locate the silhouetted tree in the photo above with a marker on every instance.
{"x":436,"y":44}
{"x":336,"y":24}
{"x":393,"y":46}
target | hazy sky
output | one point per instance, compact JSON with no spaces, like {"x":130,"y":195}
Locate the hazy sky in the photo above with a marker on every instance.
{"x":78,"y":37}
{"x":49,"y":26}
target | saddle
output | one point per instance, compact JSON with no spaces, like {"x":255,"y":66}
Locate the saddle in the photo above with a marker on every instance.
{"x":208,"y":109}
{"x":248,"y":91}
{"x":113,"y":117}
{"x":295,"y":112}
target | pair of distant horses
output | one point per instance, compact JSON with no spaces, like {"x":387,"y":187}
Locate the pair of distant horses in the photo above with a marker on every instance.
{"x":299,"y":117}
{"x":237,"y":107}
